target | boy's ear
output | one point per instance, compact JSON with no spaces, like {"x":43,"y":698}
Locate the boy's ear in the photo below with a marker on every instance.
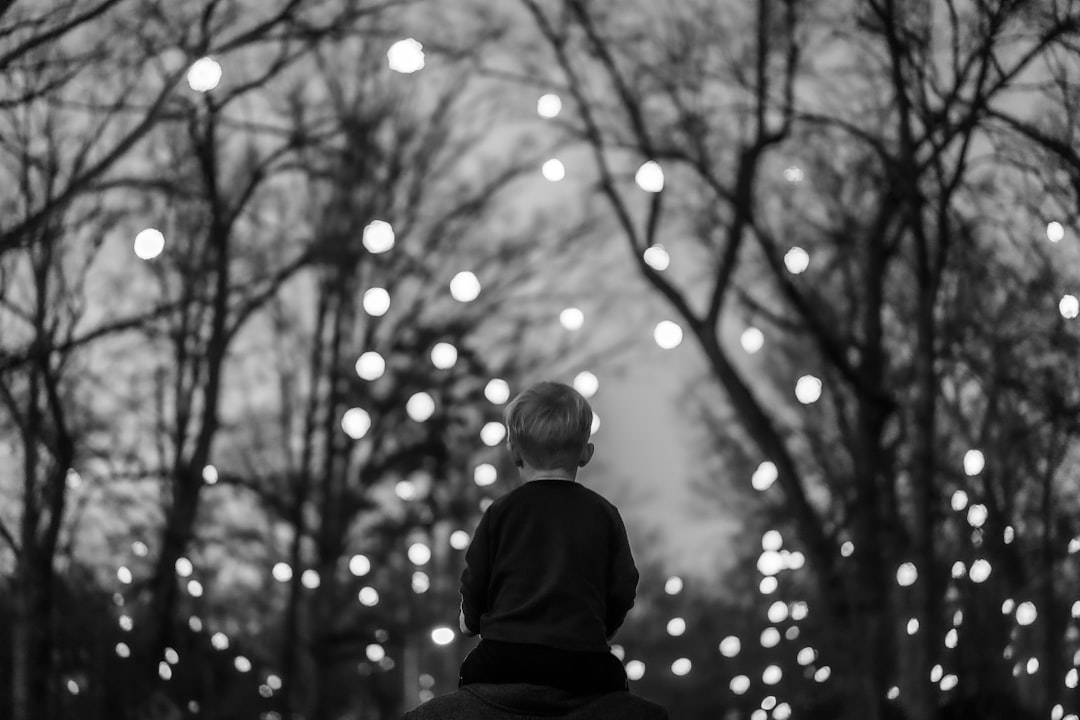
{"x":586,"y":454}
{"x":515,"y":455}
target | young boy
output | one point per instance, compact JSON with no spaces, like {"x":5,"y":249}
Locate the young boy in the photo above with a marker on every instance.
{"x":548,"y":575}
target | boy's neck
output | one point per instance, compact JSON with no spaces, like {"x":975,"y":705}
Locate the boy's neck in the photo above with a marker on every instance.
{"x":529,"y":474}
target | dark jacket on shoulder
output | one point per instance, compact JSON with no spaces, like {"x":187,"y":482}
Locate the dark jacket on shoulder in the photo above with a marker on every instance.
{"x":534,"y":702}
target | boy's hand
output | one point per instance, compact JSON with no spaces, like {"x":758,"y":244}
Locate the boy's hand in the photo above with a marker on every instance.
{"x":465,"y":628}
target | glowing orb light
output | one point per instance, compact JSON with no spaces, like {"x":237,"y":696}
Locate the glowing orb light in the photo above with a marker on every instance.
{"x":764,"y":476}
{"x":681,"y":667}
{"x":497,"y":391}
{"x":808,"y":389}
{"x":378,"y":237}
{"x":359,"y":565}
{"x":548,"y":106}
{"x":1069,"y":307}
{"x":586,"y":383}
{"x":572,"y":318}
{"x":553,"y":170}
{"x":204,"y":75}
{"x":668,"y":335}
{"x":405,"y":56}
{"x":465,"y":287}
{"x":420,"y":407}
{"x":1026,"y":613}
{"x":796,"y":260}
{"x":485,"y":474}
{"x":444,"y":356}
{"x":492,"y":433}
{"x":973,"y":462}
{"x":282,"y":572}
{"x":657,"y":258}
{"x":149,"y":243}
{"x":419,"y":554}
{"x":356,"y":422}
{"x":650,"y":177}
{"x":1055,"y":232}
{"x":442,"y":635}
{"x":730,"y":646}
{"x":376,"y":301}
{"x":752,"y":340}
{"x":906,"y":574}
{"x":980,"y":571}
{"x":635,"y":670}
{"x":370,"y":366}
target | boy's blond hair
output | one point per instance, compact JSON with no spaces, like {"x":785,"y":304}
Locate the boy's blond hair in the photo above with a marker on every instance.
{"x":549,"y":423}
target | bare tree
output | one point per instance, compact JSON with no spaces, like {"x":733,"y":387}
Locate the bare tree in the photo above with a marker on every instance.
{"x":879,"y":117}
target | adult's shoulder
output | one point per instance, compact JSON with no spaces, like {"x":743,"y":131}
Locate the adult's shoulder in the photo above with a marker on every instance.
{"x":514,"y":702}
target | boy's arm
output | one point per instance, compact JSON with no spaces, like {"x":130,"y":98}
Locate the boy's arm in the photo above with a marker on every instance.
{"x":622,"y":579}
{"x":475,"y":577}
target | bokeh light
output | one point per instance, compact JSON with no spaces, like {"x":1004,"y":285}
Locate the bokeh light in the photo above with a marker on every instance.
{"x":485,"y":474}
{"x":368,"y":596}
{"x":444,"y":356}
{"x":459,"y":539}
{"x":676,"y":626}
{"x":282,"y":572}
{"x":906,"y":574}
{"x":739,"y":684}
{"x":149,"y":243}
{"x":681,"y":667}
{"x":370,"y":366}
{"x":359,"y":565}
{"x":668,"y":335}
{"x":378,"y":237}
{"x":553,"y":170}
{"x":650,"y":177}
{"x":572,"y":318}
{"x":548,"y":105}
{"x":980,"y":570}
{"x":730,"y":646}
{"x":808,"y":389}
{"x":796,"y":260}
{"x":674,"y":585}
{"x":586,"y":383}
{"x":1069,"y":307}
{"x":204,"y":75}
{"x":752,"y":340}
{"x":1055,"y":231}
{"x":376,"y":301}
{"x":356,"y":422}
{"x":492,"y":433}
{"x":406,"y":56}
{"x":1026,"y":613}
{"x":657,"y":258}
{"x":764,"y":476}
{"x":420,"y":407}
{"x":772,"y":675}
{"x":635,"y":670}
{"x":465,"y":287}
{"x":419,"y":554}
{"x":497,"y":391}
{"x":973,"y":462}
{"x":442,"y":635}
{"x":184,"y":567}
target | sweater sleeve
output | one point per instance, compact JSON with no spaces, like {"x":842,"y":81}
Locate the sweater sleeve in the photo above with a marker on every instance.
{"x":622,"y":578}
{"x":476,"y":575}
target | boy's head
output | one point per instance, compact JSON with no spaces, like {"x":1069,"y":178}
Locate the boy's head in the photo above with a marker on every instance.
{"x":548,"y":427}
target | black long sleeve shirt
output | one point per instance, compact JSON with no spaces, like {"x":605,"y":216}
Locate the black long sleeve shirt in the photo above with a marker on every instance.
{"x":549,"y":564}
